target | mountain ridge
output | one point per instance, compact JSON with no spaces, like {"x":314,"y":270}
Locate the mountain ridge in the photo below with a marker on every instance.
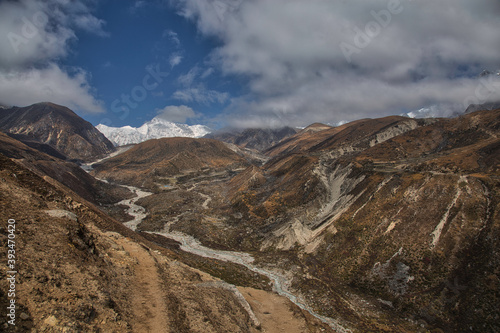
{"x":166,"y":157}
{"x":387,"y":208}
{"x":258,"y":139}
{"x":59,"y":169}
{"x":156,"y":128}
{"x":58,"y":127}
{"x":389,"y":224}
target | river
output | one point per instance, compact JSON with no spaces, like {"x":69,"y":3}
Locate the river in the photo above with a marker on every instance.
{"x":281,"y":283}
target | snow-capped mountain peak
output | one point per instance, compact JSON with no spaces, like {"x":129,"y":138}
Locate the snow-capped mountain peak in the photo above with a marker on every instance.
{"x":154,"y":129}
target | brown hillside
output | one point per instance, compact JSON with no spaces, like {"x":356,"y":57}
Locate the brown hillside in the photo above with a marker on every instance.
{"x":58,"y":127}
{"x":81,"y":271}
{"x":351,"y":137}
{"x":153,"y":160}
{"x":469,"y":143}
{"x":65,"y":172}
{"x":394,"y":209}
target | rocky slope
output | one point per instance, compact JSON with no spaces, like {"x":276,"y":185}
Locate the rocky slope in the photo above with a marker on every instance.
{"x":162,"y":161}
{"x":407,"y":214}
{"x":55,"y":167}
{"x":253,"y":138}
{"x":57,"y":127}
{"x":397,"y":213}
{"x":73,"y":262}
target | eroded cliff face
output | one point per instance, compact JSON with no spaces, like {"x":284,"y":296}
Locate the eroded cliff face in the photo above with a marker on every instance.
{"x":426,"y":242}
{"x":412,"y":220}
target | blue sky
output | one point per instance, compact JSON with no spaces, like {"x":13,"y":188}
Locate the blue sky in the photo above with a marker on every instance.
{"x":249,"y":63}
{"x":145,"y":38}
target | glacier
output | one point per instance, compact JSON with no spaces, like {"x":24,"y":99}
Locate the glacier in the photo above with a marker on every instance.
{"x":154,"y":129}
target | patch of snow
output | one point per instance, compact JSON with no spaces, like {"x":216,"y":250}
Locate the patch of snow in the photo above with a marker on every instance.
{"x":436,"y":111}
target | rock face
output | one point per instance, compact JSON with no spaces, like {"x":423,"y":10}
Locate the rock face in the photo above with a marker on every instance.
{"x":254,"y":138}
{"x":57,"y":127}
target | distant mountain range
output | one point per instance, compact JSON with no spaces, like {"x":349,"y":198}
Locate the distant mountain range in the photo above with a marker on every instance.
{"x":156,"y":128}
{"x":392,"y":208}
{"x":389,"y":224}
{"x":253,"y":138}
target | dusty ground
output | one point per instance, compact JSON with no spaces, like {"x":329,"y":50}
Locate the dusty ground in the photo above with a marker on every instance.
{"x":151,"y":307}
{"x":278,"y":314}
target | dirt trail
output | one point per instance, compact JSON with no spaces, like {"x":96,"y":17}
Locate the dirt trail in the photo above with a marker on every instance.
{"x":148,"y":300}
{"x":277,"y":313}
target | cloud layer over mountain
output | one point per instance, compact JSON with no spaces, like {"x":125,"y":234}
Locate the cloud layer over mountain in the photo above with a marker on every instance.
{"x":35,"y":35}
{"x":342,"y":60}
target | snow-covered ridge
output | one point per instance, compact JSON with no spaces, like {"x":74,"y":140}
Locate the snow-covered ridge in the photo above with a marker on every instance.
{"x":154,"y":129}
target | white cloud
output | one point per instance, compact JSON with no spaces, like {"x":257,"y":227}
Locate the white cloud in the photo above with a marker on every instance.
{"x":173,"y":36}
{"x":201,"y":95}
{"x":25,"y":87}
{"x":107,"y":64}
{"x":207,"y":73}
{"x":187,"y":79}
{"x":195,"y":91}
{"x":35,"y":36}
{"x":91,"y":24}
{"x":138,"y":4}
{"x":175,"y":60}
{"x":424,"y":53}
{"x":177,"y":114}
{"x":28,"y":36}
